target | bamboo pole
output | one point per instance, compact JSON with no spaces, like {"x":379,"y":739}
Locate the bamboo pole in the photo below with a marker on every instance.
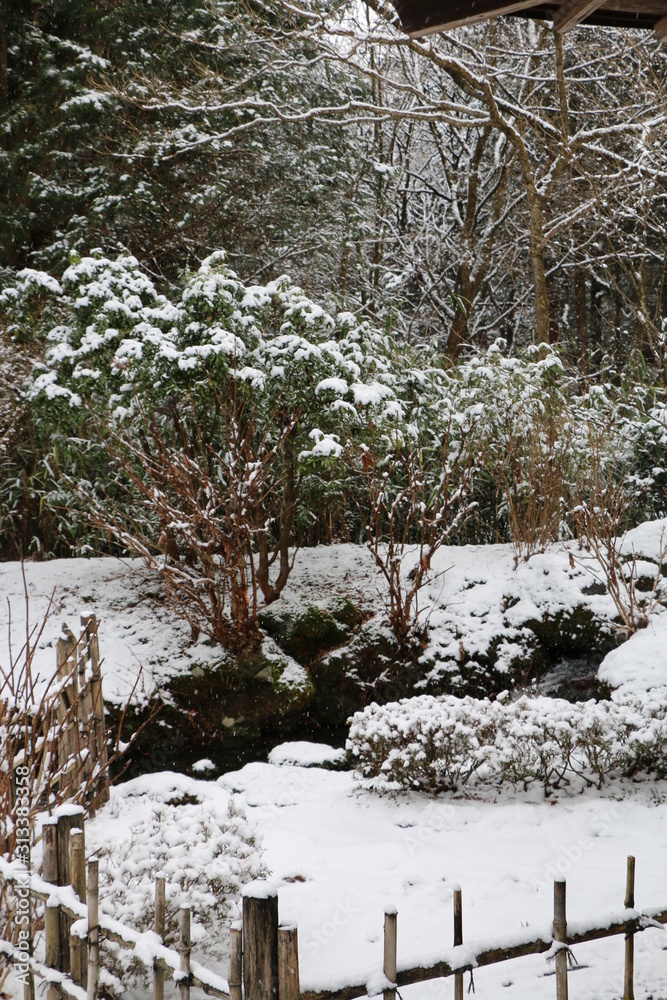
{"x":69,"y":818}
{"x":85,"y":706}
{"x":67,"y":715}
{"x":29,"y":983}
{"x":99,"y":730}
{"x":628,"y":985}
{"x":78,"y":862}
{"x":560,"y":935}
{"x":77,"y":949}
{"x":184,"y":948}
{"x":160,"y":912}
{"x":93,"y":929}
{"x":236,"y":962}
{"x":51,"y":913}
{"x":458,"y":938}
{"x":288,"y":963}
{"x":390,"y":948}
{"x":260,"y":942}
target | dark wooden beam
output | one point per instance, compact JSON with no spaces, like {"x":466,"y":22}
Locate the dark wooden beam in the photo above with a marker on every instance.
{"x":424,"y":17}
{"x":573,"y":12}
{"x":661,"y":29}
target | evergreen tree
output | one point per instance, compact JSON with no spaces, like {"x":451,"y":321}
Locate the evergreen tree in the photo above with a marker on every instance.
{"x":112,"y":116}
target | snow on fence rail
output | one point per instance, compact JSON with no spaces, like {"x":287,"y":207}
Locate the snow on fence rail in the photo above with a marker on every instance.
{"x":264,"y":953}
{"x":72,"y":918}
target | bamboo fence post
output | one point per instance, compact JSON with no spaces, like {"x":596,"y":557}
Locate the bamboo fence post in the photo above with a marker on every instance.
{"x":260,"y":942}
{"x":184,"y":948}
{"x":51,"y":913}
{"x":289,"y":987}
{"x":93,"y":929}
{"x":66,"y":712}
{"x":77,"y":949}
{"x":160,"y":913}
{"x":236,"y":962}
{"x":390,"y":948}
{"x":628,"y":985}
{"x":101,"y":794}
{"x":69,"y":818}
{"x":86,"y":722}
{"x":458,"y":938}
{"x":29,"y":984}
{"x":560,"y":936}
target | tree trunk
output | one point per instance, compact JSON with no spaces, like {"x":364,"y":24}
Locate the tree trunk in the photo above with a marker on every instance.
{"x":537,"y":254}
{"x":4,"y":80}
{"x":582,"y":315}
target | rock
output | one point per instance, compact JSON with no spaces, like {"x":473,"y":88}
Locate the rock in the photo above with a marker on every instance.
{"x":576,"y":636}
{"x":569,"y":634}
{"x":368,"y":668}
{"x":305,"y":630}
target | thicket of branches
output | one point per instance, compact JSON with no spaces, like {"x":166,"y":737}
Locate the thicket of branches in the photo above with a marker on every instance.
{"x":496,"y":180}
{"x":211,"y":434}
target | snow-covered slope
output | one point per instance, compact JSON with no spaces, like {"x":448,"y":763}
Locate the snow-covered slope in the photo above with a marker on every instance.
{"x":474,"y":598}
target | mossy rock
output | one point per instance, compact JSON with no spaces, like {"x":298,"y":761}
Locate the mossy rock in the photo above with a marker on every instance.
{"x":305,"y":631}
{"x":369,"y":668}
{"x":574,"y":633}
{"x":254,"y":689}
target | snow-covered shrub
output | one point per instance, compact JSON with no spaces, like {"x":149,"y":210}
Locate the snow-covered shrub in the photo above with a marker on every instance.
{"x":547,"y":436}
{"x":535,"y":741}
{"x":214,"y":431}
{"x":214,"y":410}
{"x":417,"y":470}
{"x":525,"y":438}
{"x":434,"y":744}
{"x":25,"y":527}
{"x":204,"y":854}
{"x":646,"y":719}
{"x":439,"y":744}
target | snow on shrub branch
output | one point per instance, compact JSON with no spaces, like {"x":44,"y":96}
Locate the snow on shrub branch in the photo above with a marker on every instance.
{"x":440,"y":744}
{"x":122,"y":335}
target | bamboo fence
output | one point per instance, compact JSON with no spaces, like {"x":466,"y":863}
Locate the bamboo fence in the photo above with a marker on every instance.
{"x":80,"y":713}
{"x":264,"y":959}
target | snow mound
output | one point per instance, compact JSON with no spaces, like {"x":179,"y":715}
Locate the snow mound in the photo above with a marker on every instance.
{"x":304,"y":754}
{"x":191,"y":832}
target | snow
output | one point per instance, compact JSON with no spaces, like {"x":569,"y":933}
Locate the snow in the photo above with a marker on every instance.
{"x":305,"y":754}
{"x":340,"y":857}
{"x":640,"y":663}
{"x":344,"y":855}
{"x":260,"y":890}
{"x":338,"y":854}
{"x":68,"y":810}
{"x":473,"y":597}
{"x":203,"y":765}
{"x":137,"y":629}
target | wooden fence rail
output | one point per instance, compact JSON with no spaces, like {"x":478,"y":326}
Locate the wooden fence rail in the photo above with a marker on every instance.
{"x":264,"y":953}
{"x":70,"y":920}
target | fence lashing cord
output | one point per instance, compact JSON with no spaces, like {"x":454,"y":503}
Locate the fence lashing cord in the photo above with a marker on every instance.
{"x":572,"y":962}
{"x":471,"y":984}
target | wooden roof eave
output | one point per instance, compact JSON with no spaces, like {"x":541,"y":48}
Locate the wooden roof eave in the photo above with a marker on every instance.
{"x":425,"y":17}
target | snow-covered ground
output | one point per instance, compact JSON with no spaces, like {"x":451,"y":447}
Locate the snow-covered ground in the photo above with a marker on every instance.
{"x":473,"y":596}
{"x":340,"y":853}
{"x":138,"y":631}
